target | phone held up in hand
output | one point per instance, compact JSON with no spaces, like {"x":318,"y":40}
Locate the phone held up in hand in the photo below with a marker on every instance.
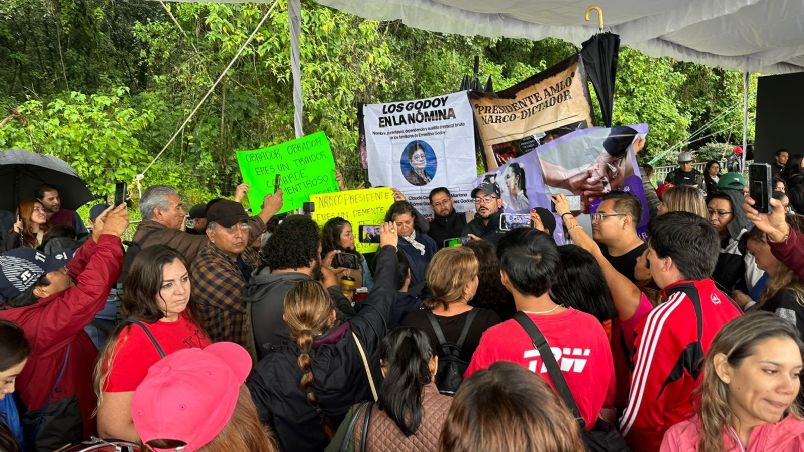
{"x":369,"y":233}
{"x":509,"y":221}
{"x":120,"y":193}
{"x":759,"y":186}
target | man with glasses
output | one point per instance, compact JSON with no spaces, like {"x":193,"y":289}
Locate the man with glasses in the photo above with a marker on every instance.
{"x":685,"y":174}
{"x":221,"y":270}
{"x":486,"y":224}
{"x":614,"y":228}
{"x":446,"y":223}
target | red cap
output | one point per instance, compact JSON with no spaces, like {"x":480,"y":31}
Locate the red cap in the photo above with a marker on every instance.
{"x":738,"y":150}
{"x":190,"y":395}
{"x":662,"y":188}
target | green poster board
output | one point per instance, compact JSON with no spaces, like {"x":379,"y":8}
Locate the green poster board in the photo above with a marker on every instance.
{"x":306,"y":166}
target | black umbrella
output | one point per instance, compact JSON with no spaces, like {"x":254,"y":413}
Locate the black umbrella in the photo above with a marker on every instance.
{"x":22,"y":172}
{"x":600,"y":54}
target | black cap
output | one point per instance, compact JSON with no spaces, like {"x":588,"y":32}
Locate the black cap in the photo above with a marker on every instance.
{"x":487,"y":188}
{"x":198,"y":211}
{"x":226,"y":213}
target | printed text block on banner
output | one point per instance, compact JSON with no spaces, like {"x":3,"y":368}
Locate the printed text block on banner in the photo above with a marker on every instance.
{"x":306,"y":166}
{"x":357,"y":206}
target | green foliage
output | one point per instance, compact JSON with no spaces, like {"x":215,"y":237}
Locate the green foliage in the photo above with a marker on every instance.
{"x":713,"y":151}
{"x":95,"y":134}
{"x":62,"y":64}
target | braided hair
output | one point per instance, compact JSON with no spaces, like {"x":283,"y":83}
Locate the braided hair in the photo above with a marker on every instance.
{"x":308,"y":310}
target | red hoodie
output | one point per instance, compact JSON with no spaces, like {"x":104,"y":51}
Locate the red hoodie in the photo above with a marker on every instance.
{"x":669,"y":354}
{"x":784,"y":436}
{"x":54,"y":322}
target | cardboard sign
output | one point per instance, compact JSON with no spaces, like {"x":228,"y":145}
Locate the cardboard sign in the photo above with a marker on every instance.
{"x":517,"y":120}
{"x":357,"y":206}
{"x":306,"y":166}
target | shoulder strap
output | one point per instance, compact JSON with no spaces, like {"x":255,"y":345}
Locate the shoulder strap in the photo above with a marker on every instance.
{"x":350,"y":432}
{"x":466,"y":324}
{"x":436,"y":327}
{"x":43,"y":410}
{"x":365,"y":365}
{"x":550,"y":363}
{"x":364,"y":434}
{"x":150,"y":336}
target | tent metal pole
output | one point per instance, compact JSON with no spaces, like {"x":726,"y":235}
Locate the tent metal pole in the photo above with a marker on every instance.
{"x":745,"y":119}
{"x":294,"y":21}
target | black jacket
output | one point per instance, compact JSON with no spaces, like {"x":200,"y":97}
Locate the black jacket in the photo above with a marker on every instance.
{"x":265,"y":295}
{"x":490,"y":231}
{"x":339,"y":376}
{"x":449,"y":227}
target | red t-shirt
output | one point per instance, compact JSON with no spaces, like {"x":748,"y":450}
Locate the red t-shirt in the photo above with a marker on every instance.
{"x":581,"y":349}
{"x":134,"y":352}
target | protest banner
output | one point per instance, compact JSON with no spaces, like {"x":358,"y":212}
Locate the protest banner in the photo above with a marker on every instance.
{"x":587,"y":163}
{"x":366,"y":206}
{"x":422,"y":144}
{"x":305,"y":164}
{"x":533,"y":112}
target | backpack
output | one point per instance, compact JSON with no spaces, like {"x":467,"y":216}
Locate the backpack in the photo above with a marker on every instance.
{"x":451,"y":366}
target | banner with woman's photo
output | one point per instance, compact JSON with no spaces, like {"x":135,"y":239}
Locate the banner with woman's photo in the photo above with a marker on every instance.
{"x":517,"y":120}
{"x":585,"y":165}
{"x":418,"y":145}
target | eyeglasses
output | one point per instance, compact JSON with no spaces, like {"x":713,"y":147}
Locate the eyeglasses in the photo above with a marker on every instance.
{"x":600,"y":216}
{"x":485,"y":200}
{"x":719,"y":213}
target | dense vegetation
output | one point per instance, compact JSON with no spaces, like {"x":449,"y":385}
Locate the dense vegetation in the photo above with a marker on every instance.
{"x":103,"y":84}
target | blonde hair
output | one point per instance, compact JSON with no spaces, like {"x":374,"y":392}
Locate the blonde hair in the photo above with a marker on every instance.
{"x":308,"y":308}
{"x":449,"y":272}
{"x":685,"y":198}
{"x":737,"y":340}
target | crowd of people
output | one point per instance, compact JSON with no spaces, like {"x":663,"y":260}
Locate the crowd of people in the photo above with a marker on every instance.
{"x":244,"y":331}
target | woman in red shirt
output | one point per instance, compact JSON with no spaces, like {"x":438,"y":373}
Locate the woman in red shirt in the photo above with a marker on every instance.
{"x":156,"y":300}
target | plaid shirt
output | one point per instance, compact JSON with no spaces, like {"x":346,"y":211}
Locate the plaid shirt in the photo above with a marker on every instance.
{"x":217,"y":288}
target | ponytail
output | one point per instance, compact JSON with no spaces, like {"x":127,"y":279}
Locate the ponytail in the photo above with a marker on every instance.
{"x":405,"y":354}
{"x":307,"y":310}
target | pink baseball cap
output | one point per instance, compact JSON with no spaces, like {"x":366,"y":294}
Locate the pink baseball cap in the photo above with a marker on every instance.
{"x":190,"y":395}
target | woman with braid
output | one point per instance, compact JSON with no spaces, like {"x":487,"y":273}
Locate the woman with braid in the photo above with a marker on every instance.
{"x":304,"y":387}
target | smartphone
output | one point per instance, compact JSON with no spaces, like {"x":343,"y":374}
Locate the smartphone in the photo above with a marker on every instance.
{"x":277,"y":182}
{"x":345,"y":260}
{"x":120,"y":193}
{"x":759,"y":186}
{"x":574,"y":202}
{"x":457,"y":241}
{"x":509,"y":221}
{"x":369,"y":233}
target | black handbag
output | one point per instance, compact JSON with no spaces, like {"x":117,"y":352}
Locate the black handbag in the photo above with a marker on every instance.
{"x":603,"y":437}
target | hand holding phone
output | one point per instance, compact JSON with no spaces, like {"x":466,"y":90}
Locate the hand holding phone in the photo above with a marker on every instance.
{"x":457,"y":241}
{"x":120,"y":193}
{"x":759,"y":186}
{"x":277,"y":182}
{"x":369,"y":233}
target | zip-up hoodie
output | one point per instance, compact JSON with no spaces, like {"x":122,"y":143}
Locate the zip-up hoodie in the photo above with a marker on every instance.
{"x":784,"y":436}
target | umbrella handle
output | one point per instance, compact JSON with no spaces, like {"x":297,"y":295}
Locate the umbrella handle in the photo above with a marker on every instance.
{"x":599,"y":15}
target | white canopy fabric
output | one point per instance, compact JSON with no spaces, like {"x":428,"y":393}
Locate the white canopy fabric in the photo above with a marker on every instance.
{"x":765,"y":36}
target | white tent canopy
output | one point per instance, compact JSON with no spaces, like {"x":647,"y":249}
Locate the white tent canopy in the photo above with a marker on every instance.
{"x":765,"y":36}
{"x":747,"y":35}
